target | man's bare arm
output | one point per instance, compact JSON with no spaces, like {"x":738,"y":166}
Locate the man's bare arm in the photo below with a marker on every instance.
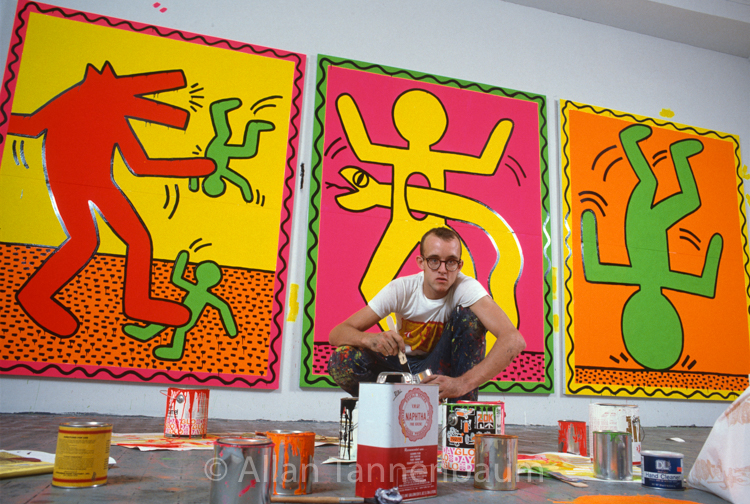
{"x":351,"y":332}
{"x":509,"y":344}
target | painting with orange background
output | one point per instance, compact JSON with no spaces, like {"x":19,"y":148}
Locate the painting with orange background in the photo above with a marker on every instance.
{"x":145,"y":201}
{"x":656,"y":279}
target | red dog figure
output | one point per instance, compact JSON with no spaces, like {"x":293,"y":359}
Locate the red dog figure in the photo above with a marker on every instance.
{"x":85,"y":126}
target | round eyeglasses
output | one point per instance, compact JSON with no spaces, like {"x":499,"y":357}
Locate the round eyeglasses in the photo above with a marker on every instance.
{"x":434,"y":263}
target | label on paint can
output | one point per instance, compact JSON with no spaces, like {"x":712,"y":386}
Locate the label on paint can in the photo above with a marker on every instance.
{"x":82,"y":454}
{"x":464,"y":420}
{"x":661,"y":469}
{"x":187,"y":413}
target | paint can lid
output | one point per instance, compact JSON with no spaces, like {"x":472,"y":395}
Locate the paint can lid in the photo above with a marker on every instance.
{"x":489,"y":435}
{"x":289,"y":434}
{"x":661,"y":454}
{"x":240,"y":442}
{"x":480,"y":403}
{"x":87,"y":425}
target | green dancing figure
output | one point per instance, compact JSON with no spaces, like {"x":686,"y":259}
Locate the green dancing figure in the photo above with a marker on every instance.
{"x":221,"y":152}
{"x":651,"y":327}
{"x":207,"y":275}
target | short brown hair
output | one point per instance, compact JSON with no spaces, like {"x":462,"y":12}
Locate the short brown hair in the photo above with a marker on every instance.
{"x":444,"y":233}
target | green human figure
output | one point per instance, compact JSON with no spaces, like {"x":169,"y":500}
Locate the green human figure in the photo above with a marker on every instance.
{"x":651,"y":327}
{"x":207,"y":275}
{"x":221,"y":152}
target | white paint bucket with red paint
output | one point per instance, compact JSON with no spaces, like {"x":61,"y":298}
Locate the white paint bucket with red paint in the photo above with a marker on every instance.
{"x":187,"y":413}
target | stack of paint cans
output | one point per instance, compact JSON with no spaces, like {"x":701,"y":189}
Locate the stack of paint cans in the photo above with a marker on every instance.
{"x":619,"y":418}
{"x":82,"y":454}
{"x":465,"y":420}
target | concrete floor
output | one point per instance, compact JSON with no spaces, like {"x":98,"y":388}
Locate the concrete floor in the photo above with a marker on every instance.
{"x":166,"y":477}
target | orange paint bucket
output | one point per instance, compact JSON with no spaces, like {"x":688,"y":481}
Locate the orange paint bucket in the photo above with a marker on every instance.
{"x":292,"y":461}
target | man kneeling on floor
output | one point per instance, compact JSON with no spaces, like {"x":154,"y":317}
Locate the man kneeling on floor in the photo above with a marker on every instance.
{"x":443,"y":316}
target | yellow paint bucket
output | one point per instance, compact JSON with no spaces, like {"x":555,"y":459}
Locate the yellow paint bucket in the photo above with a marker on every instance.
{"x":82,"y":454}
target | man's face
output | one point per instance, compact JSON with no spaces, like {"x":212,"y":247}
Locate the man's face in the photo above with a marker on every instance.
{"x":438,"y":282}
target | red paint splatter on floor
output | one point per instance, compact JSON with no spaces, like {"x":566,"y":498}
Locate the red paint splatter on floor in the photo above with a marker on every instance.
{"x":248,"y":487}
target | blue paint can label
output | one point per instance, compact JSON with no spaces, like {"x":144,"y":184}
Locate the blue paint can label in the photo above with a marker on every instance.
{"x":662,"y":469}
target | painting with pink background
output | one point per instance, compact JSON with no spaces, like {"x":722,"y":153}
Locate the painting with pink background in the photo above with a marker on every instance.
{"x":345,"y":241}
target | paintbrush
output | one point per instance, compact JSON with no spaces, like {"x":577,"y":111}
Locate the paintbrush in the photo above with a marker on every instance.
{"x":320,"y":499}
{"x":381,"y":497}
{"x":401,"y":355}
{"x":566,"y":479}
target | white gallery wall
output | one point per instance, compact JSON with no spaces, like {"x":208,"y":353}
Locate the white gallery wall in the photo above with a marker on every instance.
{"x":487,"y":41}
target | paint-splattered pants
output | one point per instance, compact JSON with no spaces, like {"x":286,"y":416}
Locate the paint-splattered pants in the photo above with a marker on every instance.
{"x":460,"y":348}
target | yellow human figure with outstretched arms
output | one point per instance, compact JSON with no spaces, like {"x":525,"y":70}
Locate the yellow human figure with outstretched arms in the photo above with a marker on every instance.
{"x":421,"y":120}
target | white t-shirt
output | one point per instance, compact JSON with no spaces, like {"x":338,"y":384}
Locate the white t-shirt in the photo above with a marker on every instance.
{"x":421,"y":320}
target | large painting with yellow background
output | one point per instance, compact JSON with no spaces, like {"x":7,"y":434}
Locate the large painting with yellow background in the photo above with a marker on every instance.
{"x":656,"y":280}
{"x":145,"y":201}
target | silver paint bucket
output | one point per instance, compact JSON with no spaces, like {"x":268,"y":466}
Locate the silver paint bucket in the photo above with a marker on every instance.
{"x":619,"y":418}
{"x":241,"y":471}
{"x":495,"y":461}
{"x":613,"y":456}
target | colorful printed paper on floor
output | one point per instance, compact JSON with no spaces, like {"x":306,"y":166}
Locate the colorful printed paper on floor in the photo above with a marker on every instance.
{"x":14,"y":464}
{"x":151,"y":442}
{"x":397,"y":153}
{"x":145,"y":201}
{"x":156,"y":441}
{"x":566,"y":465}
{"x":656,"y":279}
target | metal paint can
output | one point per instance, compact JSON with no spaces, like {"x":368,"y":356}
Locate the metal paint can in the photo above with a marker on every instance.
{"x":397,"y":439}
{"x":292,"y":461}
{"x":571,"y":437}
{"x":495,"y":461}
{"x":241,"y":471}
{"x":187,"y":413}
{"x":82,"y":454}
{"x":620,"y":418}
{"x":420,"y":377}
{"x":662,"y":469}
{"x":613,"y":456}
{"x":349,"y":414}
{"x":464,"y":420}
